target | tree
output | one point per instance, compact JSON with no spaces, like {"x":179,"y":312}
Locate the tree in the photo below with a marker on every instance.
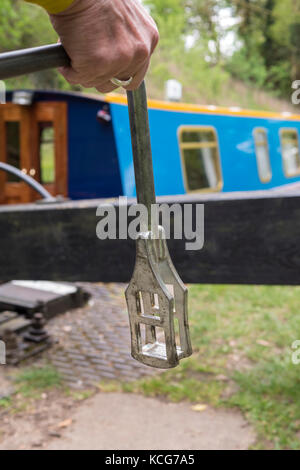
{"x":28,"y":26}
{"x":285,"y":31}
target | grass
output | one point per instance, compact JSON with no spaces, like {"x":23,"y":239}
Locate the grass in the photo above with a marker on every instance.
{"x":5,"y":403}
{"x":242,"y":337}
{"x":34,"y":381}
{"x":204,"y":84}
{"x":30,"y":384}
{"x":80,"y":395}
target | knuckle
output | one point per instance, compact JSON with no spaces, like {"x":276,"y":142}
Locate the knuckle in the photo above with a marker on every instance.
{"x":142,"y":51}
{"x":124,"y":57}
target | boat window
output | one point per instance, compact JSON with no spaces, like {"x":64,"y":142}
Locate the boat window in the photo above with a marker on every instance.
{"x":262,"y":155}
{"x":290,"y":152}
{"x":47,"y":152}
{"x":201,"y":160}
{"x":13,"y":148}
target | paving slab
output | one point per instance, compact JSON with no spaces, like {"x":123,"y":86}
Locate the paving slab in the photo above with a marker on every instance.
{"x":117,"y":421}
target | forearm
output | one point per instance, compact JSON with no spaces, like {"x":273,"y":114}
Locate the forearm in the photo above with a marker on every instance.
{"x":53,"y":6}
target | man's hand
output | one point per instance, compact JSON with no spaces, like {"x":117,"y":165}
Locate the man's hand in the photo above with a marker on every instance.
{"x":106,"y":39}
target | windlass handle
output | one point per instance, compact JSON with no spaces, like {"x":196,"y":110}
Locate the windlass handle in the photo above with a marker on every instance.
{"x":24,"y":61}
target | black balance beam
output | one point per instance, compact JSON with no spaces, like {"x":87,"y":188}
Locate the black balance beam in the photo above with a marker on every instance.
{"x":250,"y":238}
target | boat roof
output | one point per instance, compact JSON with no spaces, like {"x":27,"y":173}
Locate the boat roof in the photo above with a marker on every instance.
{"x":118,"y":98}
{"x":207,"y":109}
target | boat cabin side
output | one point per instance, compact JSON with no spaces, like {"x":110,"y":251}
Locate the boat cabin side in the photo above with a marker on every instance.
{"x":198,"y":149}
{"x":79,"y":146}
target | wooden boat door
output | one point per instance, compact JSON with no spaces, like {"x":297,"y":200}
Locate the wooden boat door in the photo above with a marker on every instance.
{"x":34,"y":140}
{"x":15,"y":149}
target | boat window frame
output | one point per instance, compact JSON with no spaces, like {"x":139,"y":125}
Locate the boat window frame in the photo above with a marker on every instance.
{"x":266,"y":144}
{"x":282,"y":130}
{"x":43,"y":125}
{"x":193,"y":145}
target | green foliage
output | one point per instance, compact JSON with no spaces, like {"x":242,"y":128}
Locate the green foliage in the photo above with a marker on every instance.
{"x":23,"y":25}
{"x":266,"y":53}
{"x":170,"y":20}
{"x":260,"y":59}
{"x":196,"y":67}
{"x":249,"y":69}
{"x":269,"y":31}
{"x":285,"y":14}
{"x":26,"y":25}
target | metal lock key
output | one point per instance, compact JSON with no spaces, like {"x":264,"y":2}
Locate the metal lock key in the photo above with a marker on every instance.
{"x":156,"y":296}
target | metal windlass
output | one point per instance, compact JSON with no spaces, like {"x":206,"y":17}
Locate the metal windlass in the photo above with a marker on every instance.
{"x":156,"y":297}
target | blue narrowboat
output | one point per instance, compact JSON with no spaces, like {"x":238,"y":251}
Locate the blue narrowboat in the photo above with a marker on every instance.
{"x":78,"y":146}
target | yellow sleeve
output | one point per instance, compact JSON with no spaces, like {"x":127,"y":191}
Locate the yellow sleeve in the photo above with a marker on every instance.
{"x":53,"y":6}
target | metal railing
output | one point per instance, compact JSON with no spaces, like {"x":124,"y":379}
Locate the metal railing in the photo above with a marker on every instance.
{"x":29,"y":180}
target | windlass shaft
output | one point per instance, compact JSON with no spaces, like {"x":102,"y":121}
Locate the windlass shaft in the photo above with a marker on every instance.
{"x":141,"y":148}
